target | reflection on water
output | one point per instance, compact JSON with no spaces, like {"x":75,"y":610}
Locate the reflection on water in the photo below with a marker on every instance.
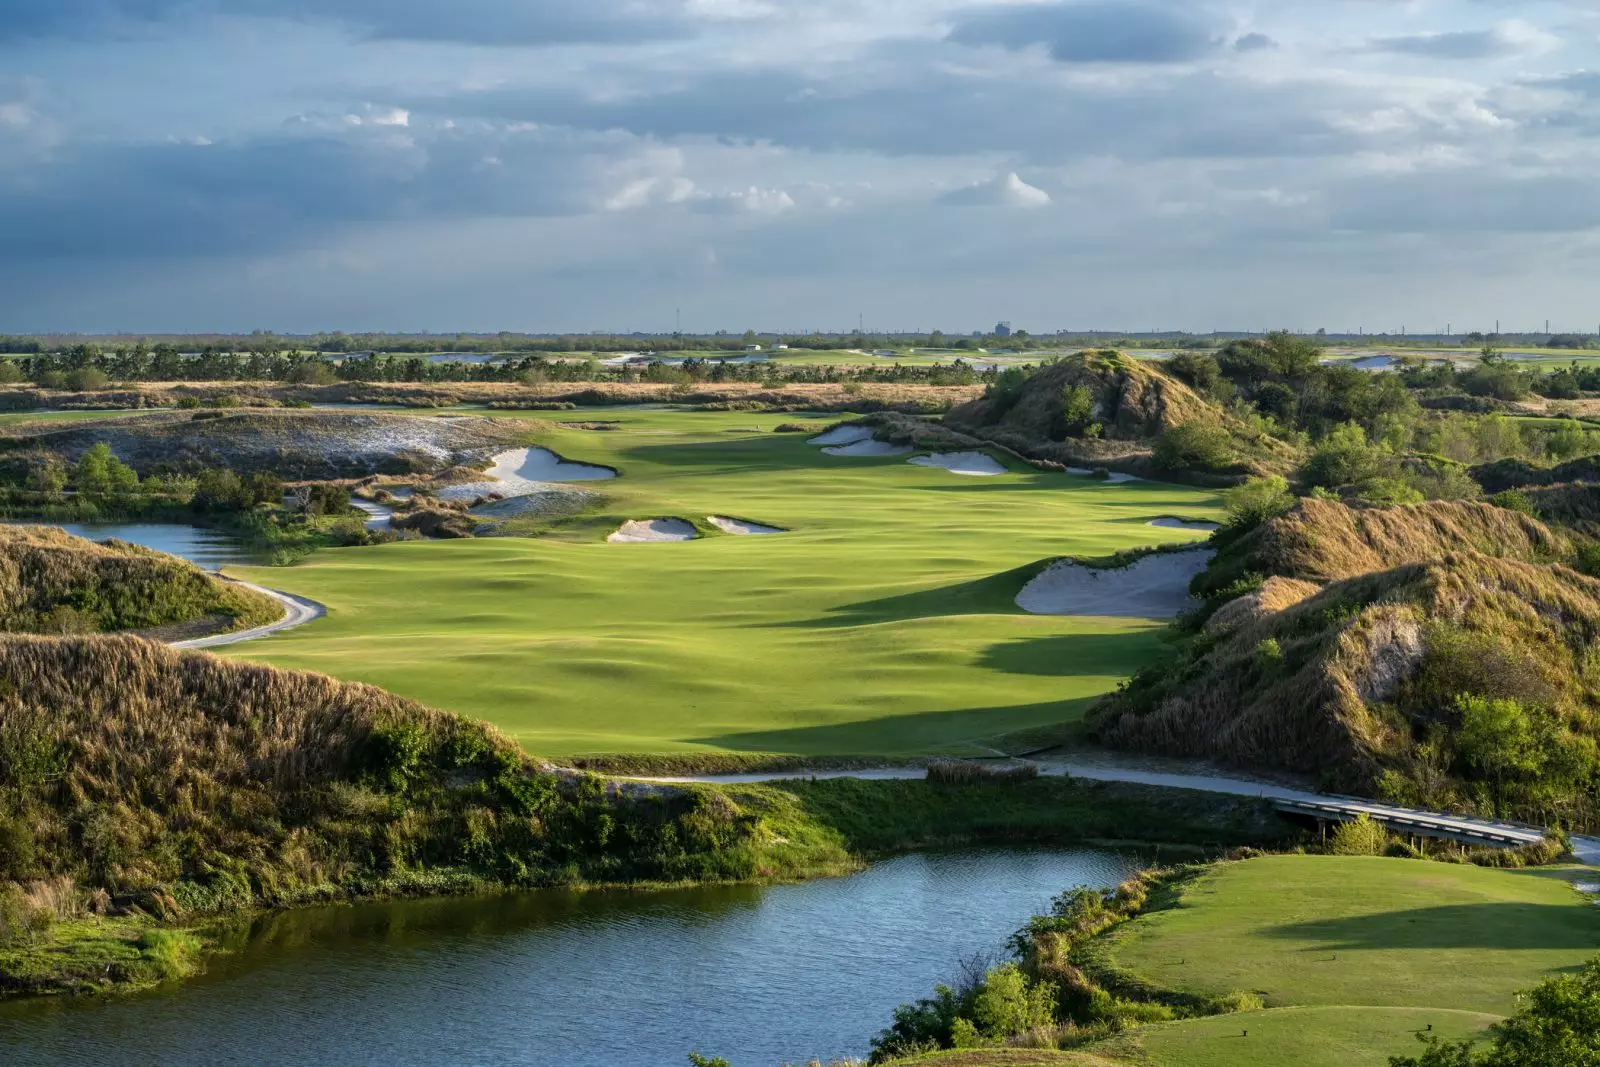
{"x":761,"y":976}
{"x":209,"y":549}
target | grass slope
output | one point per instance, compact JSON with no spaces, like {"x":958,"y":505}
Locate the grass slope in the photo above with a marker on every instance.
{"x":1363,"y":932}
{"x":1292,"y":1037}
{"x":883,"y":623}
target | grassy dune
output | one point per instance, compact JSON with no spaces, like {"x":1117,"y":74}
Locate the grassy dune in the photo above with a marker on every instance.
{"x":882,"y":623}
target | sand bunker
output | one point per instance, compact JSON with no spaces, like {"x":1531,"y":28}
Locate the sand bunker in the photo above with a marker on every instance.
{"x":972,"y":464}
{"x":740,"y":526}
{"x":1152,"y":587}
{"x":869,"y":449}
{"x":1168,"y":522}
{"x":641,"y":531}
{"x":844,"y":435}
{"x":522,"y":471}
{"x":1112,"y":478}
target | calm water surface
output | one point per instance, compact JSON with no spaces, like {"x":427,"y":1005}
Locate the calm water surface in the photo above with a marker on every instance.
{"x":209,"y":549}
{"x":761,"y":976}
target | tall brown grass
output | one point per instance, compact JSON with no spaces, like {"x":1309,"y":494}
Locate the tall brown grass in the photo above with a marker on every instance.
{"x":51,"y":581}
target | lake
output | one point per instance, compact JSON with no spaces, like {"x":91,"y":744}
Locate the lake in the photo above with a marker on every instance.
{"x":762,"y":976}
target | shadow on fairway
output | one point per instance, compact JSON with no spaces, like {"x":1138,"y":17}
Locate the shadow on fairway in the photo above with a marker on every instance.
{"x":923,"y":733}
{"x":995,"y":595}
{"x":1507,"y":926}
{"x":1073,"y":655}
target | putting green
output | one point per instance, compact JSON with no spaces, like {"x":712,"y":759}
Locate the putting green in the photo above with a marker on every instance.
{"x":881,"y":623}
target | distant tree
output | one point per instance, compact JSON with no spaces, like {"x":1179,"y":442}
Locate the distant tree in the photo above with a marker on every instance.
{"x":86,"y":380}
{"x":1343,"y":457}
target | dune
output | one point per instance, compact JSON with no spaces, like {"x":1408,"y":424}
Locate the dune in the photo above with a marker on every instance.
{"x":843,"y":435}
{"x":741,"y":527}
{"x":1152,"y":587}
{"x":869,"y":449}
{"x":972,"y":464}
{"x":641,"y":531}
{"x":1169,"y":522}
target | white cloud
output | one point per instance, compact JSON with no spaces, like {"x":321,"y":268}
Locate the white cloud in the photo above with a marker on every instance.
{"x":1007,"y":190}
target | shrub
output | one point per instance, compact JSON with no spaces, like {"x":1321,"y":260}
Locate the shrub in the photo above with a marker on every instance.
{"x":1257,"y":501}
{"x":1514,"y":500}
{"x":1197,"y":445}
{"x":86,"y":380}
{"x":1360,"y":836}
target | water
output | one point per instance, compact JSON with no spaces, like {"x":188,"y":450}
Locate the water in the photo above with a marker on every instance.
{"x":208,"y":549}
{"x":761,"y":976}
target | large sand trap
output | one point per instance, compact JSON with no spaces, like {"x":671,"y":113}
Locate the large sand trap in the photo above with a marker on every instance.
{"x":740,"y":526}
{"x":1168,"y":522}
{"x":522,"y":471}
{"x":640,"y":531}
{"x":869,"y":449}
{"x":1152,"y":587}
{"x":844,"y":435}
{"x":1112,"y":478}
{"x":972,"y":464}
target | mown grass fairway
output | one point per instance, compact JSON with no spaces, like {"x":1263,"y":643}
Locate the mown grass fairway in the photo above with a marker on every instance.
{"x":882,"y":623}
{"x":1294,"y":1037}
{"x":1365,"y":949}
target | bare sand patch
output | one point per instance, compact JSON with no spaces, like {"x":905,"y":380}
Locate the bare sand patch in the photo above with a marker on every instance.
{"x":843,"y":435}
{"x":1172,"y":522}
{"x":741,"y":527}
{"x":1111,"y":478}
{"x":971,"y":464}
{"x":522,"y":471}
{"x":1152,"y":587}
{"x":869,"y":449}
{"x":641,"y":531}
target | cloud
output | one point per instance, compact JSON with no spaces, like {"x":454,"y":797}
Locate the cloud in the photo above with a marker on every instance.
{"x":1091,"y":31}
{"x":1003,"y":191}
{"x":1254,"y":42}
{"x":1512,"y":38}
{"x":487,"y":22}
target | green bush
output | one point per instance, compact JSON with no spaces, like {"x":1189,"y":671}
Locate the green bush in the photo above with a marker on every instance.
{"x":1360,"y":836}
{"x":1199,"y":445}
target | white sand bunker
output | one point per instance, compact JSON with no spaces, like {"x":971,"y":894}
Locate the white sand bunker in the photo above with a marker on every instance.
{"x":522,"y":471}
{"x":641,"y":531}
{"x":1152,"y":587}
{"x":869,"y":449}
{"x":1111,"y":478}
{"x":972,"y":464}
{"x":740,"y":526}
{"x":844,"y":435}
{"x":1169,"y":522}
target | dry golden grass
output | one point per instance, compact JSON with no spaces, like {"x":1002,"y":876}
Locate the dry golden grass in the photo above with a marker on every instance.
{"x":1315,"y":687}
{"x":51,"y":581}
{"x":1325,"y":541}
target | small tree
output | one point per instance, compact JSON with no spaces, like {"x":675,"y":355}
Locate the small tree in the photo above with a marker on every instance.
{"x":1199,"y":445}
{"x":1257,"y":501}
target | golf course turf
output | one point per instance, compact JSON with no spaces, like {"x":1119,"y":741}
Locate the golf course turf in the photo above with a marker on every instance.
{"x":881,"y":622}
{"x":1350,"y":954}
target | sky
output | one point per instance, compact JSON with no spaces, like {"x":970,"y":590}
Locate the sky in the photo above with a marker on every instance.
{"x":577,"y":165}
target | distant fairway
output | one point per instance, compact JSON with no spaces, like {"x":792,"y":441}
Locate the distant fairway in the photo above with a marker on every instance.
{"x":881,"y":623}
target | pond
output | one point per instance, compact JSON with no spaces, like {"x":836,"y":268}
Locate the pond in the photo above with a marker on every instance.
{"x":205,"y":548}
{"x":551,"y":979}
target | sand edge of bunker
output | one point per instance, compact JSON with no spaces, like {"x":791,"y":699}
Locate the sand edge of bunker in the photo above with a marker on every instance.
{"x":743,"y":527}
{"x":1153,"y":586}
{"x":971,"y":463}
{"x":654,"y":531}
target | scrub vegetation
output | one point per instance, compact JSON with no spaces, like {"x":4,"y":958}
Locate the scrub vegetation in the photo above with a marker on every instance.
{"x":52,"y":582}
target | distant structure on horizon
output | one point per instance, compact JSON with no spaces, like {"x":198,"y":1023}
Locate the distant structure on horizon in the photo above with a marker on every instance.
{"x":1002,"y":329}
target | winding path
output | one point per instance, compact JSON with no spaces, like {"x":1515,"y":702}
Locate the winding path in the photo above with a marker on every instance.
{"x":297,"y":612}
{"x":1317,"y":805}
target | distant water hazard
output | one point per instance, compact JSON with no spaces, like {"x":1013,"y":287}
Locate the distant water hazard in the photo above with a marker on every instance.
{"x":761,"y":976}
{"x":208,"y":549}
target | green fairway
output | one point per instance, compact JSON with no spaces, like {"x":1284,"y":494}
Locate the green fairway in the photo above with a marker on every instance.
{"x":1364,"y":931}
{"x":882,"y":623}
{"x":1294,"y":1037}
